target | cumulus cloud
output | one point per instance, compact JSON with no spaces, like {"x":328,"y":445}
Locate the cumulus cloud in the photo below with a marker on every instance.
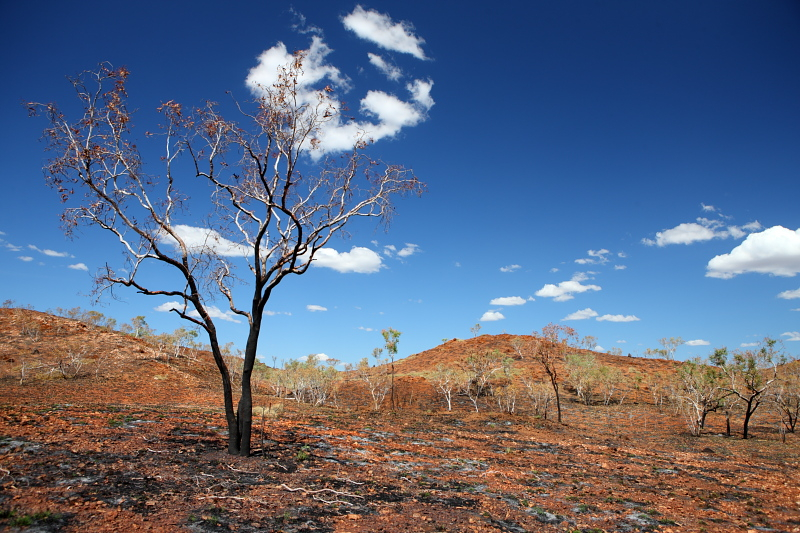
{"x":212,"y":310}
{"x":491,"y":316}
{"x":791,"y":335}
{"x":702,"y":230}
{"x":79,"y":266}
{"x":618,"y":318}
{"x":314,"y":308}
{"x":205,"y":241}
{"x":620,"y":267}
{"x":358,"y":259}
{"x":380,"y":29}
{"x":215,"y":312}
{"x":789,"y":295}
{"x":508,"y":300}
{"x":566,"y":289}
{"x":697,"y":342}
{"x":595,"y":257}
{"x":338,"y":133}
{"x":710,"y":208}
{"x":421,"y":93}
{"x":362,"y":328}
{"x":25,"y":258}
{"x":583,"y":314}
{"x":774,"y":251}
{"x":408,"y":250}
{"x":510,"y":268}
{"x":389,"y":70}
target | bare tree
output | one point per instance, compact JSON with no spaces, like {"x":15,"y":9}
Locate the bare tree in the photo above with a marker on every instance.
{"x":700,"y":389}
{"x":477,"y":371}
{"x":391,"y":338}
{"x":549,"y":350}
{"x":785,"y":396}
{"x":750,"y":374}
{"x":445,"y":381}
{"x":274,"y":208}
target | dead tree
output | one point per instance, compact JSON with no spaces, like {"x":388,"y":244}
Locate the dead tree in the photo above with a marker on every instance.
{"x":274,"y":207}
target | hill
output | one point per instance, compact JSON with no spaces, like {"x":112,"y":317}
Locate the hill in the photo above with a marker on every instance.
{"x":133,"y":441}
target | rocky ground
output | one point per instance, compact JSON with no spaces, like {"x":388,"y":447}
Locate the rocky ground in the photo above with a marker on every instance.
{"x":140,"y":445}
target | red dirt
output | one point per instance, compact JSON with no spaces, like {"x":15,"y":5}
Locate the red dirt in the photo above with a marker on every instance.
{"x":140,"y":445}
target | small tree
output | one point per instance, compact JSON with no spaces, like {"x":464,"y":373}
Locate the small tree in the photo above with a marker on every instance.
{"x":700,"y":389}
{"x":582,"y":375}
{"x":549,"y":350}
{"x":475,"y":330}
{"x":670,"y":345}
{"x":477,"y":371}
{"x":375,"y":378}
{"x":750,"y":373}
{"x":391,"y":338}
{"x":445,"y":381}
{"x":541,"y":395}
{"x":274,"y":208}
{"x":785,"y":395}
{"x":588,"y":342}
{"x":608,"y":381}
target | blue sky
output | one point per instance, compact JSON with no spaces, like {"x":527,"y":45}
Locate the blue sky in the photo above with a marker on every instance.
{"x":626,"y":168}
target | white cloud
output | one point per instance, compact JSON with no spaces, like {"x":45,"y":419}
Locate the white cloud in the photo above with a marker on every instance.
{"x":26,"y":258}
{"x":212,"y":310}
{"x":79,"y":266}
{"x":686,"y":233}
{"x":12,"y":247}
{"x":362,"y":328}
{"x":321,"y":357}
{"x":595,"y":257}
{"x":710,"y":208}
{"x":790,"y":295}
{"x":50,"y":253}
{"x":358,"y":259}
{"x":775,"y":251}
{"x":205,"y":241}
{"x":702,"y":230}
{"x":508,"y":300}
{"x":276,"y":313}
{"x":169,"y":306}
{"x":697,"y":342}
{"x":421,"y":93}
{"x":792,"y":335}
{"x":381,"y":30}
{"x":583,"y":314}
{"x":491,"y":316}
{"x":340,"y":133}
{"x":215,"y":312}
{"x":510,"y":268}
{"x":618,"y":318}
{"x":748,"y":345}
{"x":408,"y":250}
{"x":392,"y":72}
{"x":566,"y":289}
{"x":314,"y":308}
{"x":620,"y":267}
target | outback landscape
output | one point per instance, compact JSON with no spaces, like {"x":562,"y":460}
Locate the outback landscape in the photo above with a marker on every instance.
{"x":105,"y":431}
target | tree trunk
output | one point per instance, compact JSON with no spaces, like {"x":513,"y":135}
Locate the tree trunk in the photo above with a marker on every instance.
{"x":748,"y":412}
{"x":245,"y":408}
{"x":558,"y":398}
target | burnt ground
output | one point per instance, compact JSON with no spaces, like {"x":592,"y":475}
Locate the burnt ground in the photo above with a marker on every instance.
{"x":144,"y":449}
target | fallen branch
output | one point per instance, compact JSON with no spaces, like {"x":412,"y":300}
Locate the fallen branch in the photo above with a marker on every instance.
{"x":318,"y":491}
